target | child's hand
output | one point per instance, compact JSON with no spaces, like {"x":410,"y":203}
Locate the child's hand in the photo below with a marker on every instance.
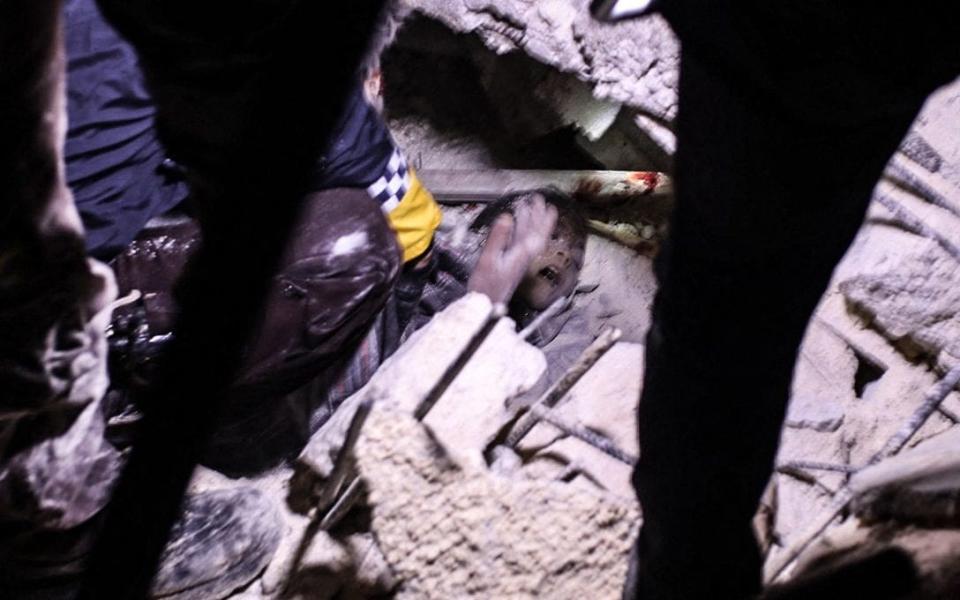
{"x":514,"y":241}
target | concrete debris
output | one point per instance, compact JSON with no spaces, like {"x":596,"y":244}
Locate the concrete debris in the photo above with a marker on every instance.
{"x":439,"y":517}
{"x":633,"y":62}
{"x":915,"y":304}
{"x":605,"y":400}
{"x":920,"y":486}
{"x":869,"y":419}
{"x":893,"y":400}
{"x":468,"y":413}
{"x":939,"y":128}
{"x":888,"y":434}
{"x":911,"y":176}
{"x":559,"y":388}
{"x":444,"y":526}
{"x":453,"y":530}
{"x":822,"y":382}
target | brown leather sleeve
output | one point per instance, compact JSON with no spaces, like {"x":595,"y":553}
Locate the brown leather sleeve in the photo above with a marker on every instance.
{"x":338,"y":270}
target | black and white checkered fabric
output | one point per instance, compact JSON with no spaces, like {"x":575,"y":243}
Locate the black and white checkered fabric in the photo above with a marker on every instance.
{"x":393,"y":184}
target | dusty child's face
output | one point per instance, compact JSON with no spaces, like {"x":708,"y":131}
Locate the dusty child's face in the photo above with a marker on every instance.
{"x":553,"y":273}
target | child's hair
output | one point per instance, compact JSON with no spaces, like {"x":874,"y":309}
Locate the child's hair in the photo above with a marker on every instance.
{"x":570,"y":223}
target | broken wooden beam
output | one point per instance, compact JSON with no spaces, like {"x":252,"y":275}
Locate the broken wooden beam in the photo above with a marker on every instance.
{"x":481,"y":186}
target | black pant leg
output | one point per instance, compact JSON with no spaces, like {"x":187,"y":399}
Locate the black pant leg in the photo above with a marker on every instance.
{"x":771,"y":190}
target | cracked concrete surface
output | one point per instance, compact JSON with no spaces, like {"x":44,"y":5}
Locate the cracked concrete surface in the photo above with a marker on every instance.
{"x":450,"y":530}
{"x":634,"y":63}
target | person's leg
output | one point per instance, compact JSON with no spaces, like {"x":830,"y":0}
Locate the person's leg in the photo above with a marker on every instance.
{"x":770,"y":192}
{"x":335,"y":277}
{"x":239,"y":105}
{"x":56,"y":468}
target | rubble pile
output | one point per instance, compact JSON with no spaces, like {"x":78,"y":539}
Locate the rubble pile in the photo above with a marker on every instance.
{"x":446,"y":511}
{"x":881,"y":471}
{"x":449,"y":530}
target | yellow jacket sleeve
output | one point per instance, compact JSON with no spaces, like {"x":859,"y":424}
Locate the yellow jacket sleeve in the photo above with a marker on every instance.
{"x":415,"y":218}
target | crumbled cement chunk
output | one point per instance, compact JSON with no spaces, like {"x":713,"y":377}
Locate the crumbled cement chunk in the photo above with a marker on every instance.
{"x":605,"y":401}
{"x":633,"y":63}
{"x":915,"y":303}
{"x":920,"y":485}
{"x":471,"y":409}
{"x":452,"y":530}
{"x":822,"y":383}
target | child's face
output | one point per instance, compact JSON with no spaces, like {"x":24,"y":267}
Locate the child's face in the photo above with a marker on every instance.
{"x":553,"y":274}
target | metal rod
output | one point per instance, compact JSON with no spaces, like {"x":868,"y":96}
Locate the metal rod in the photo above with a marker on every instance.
{"x":931,"y":401}
{"x":347,"y":500}
{"x":837,"y":506}
{"x":898,"y":174}
{"x":551,"y":311}
{"x":480,"y":186}
{"x":496,"y":313}
{"x":559,"y":389}
{"x":598,"y":441}
{"x":341,"y":467}
{"x":914,"y":222}
{"x":817,"y":466}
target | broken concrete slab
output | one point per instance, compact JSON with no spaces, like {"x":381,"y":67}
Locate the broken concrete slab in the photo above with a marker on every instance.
{"x":916,"y":304}
{"x":874,"y":350}
{"x":633,"y":63}
{"x":895,"y":397}
{"x":920,"y":485}
{"x":798,"y":504}
{"x":345,"y":566}
{"x":606,"y":401}
{"x":822,"y":383}
{"x":626,"y":288}
{"x":450,"y":529}
{"x":938,"y":126}
{"x":471,"y":409}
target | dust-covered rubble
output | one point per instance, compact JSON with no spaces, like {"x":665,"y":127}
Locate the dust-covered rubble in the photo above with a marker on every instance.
{"x":632,"y":63}
{"x":451,"y":530}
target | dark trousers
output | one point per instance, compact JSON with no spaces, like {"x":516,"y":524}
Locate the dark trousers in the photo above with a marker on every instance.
{"x":788,"y":114}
